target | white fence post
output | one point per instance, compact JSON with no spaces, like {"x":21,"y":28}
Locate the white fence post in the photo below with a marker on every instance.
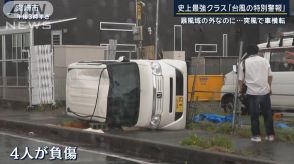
{"x":42,"y":81}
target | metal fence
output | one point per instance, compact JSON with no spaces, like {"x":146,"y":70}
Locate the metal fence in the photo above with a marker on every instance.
{"x":212,"y":65}
{"x":14,"y":64}
{"x":25,"y":70}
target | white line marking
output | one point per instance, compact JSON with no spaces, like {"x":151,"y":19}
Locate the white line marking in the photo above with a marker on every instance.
{"x":80,"y":149}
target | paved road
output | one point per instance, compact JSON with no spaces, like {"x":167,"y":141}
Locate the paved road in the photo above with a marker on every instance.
{"x":9,"y":142}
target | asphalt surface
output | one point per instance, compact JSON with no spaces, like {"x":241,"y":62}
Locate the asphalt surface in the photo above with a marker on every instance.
{"x":281,"y":152}
{"x":278,"y":152}
{"x":9,"y":142}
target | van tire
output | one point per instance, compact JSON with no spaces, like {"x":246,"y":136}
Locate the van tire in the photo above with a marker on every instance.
{"x":229,"y":104}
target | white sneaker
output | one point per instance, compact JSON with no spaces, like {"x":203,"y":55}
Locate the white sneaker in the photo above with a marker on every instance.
{"x":270,"y":138}
{"x":255,"y":139}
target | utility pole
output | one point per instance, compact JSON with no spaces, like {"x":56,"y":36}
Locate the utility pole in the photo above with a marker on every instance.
{"x":136,"y":12}
{"x":139,"y":29}
{"x":156,"y":31}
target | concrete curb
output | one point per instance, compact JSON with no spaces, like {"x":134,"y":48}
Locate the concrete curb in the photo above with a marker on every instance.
{"x":128,"y":146}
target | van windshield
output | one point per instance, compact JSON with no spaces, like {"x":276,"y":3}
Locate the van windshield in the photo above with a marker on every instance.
{"x":124,"y":94}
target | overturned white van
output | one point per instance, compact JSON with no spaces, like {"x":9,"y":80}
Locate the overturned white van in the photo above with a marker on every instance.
{"x":137,"y":93}
{"x":282,"y":66}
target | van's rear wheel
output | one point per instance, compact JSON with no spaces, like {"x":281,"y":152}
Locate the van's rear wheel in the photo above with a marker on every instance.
{"x":229,"y":104}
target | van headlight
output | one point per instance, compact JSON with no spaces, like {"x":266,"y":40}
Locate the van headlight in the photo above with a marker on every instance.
{"x":156,"y":68}
{"x":155,"y":121}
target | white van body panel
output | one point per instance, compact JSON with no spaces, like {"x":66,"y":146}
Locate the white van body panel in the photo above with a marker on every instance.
{"x":163,"y":85}
{"x":230,"y":81}
{"x":145,"y":112}
{"x":81,"y":101}
{"x":82,"y":88}
{"x":282,"y":87}
{"x":283,"y":81}
{"x":169,"y":69}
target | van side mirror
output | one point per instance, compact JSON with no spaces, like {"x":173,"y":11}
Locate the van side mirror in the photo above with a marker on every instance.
{"x":123,"y":59}
{"x":235,"y":69}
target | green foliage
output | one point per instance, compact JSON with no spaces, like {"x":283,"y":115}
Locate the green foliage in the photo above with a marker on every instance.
{"x":196,"y":141}
{"x":40,"y":108}
{"x":212,"y":106}
{"x":46,"y":107}
{"x":222,"y":143}
{"x":243,"y":132}
{"x":224,"y":128}
{"x":59,"y":104}
{"x":285,"y":135}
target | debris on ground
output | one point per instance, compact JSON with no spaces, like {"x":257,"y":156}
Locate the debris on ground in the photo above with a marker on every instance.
{"x":215,"y":118}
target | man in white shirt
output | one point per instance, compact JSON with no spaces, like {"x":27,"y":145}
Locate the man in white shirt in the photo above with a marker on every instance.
{"x":257,"y":76}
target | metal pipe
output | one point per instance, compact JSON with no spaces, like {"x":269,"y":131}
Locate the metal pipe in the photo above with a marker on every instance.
{"x":137,"y":13}
{"x":156,"y":31}
{"x":236,"y":105}
{"x":194,"y":81}
{"x":137,"y":24}
{"x":30,"y":66}
{"x":16,"y":53}
{"x":4,"y":78}
{"x":52,"y":74}
{"x":225,"y":45}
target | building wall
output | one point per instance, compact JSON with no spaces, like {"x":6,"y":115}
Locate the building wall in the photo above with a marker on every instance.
{"x":68,"y":54}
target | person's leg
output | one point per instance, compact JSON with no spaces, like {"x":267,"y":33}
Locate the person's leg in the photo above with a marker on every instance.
{"x":267,"y":115}
{"x":253,"y":106}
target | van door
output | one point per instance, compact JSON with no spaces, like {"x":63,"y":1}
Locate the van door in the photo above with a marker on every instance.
{"x":283,"y":79}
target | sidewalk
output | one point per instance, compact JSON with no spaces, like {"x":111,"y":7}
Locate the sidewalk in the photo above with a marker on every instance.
{"x":277,"y":152}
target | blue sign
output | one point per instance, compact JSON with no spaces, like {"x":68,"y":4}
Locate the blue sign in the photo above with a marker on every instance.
{"x":183,"y":8}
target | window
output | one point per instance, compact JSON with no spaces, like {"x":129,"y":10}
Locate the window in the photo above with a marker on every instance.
{"x":23,"y":74}
{"x":56,"y":37}
{"x":25,"y":46}
{"x":11,"y":73}
{"x":17,"y":46}
{"x":124,"y":94}
{"x":280,"y":63}
{"x":16,"y":59}
{"x":179,"y":90}
{"x":179,"y":83}
{"x":8,"y":46}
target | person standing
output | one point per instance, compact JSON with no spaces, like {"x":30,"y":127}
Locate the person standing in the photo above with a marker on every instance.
{"x":257,"y":76}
